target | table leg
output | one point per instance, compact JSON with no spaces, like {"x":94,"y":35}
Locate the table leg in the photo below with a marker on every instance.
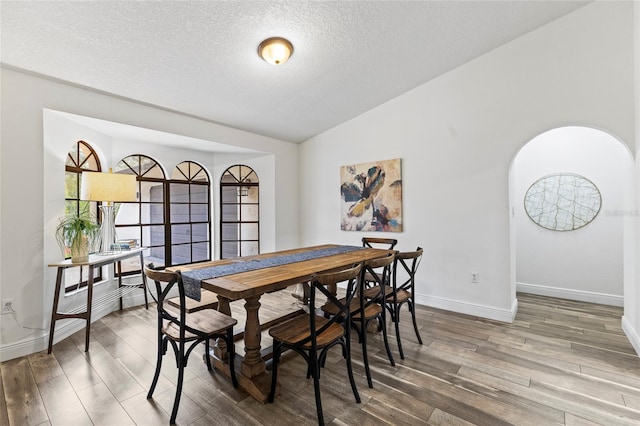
{"x":253,"y":364}
{"x":89,"y":302}
{"x":252,"y":376}
{"x":54,"y":312}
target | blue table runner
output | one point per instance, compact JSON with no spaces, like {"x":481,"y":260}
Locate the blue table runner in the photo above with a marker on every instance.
{"x":193,"y":278}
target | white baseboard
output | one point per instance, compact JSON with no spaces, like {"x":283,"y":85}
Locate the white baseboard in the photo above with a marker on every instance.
{"x":489,"y":312}
{"x":64,"y":329}
{"x":567,"y":293}
{"x":631,"y":333}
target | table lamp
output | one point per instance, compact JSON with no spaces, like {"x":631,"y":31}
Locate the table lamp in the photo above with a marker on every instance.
{"x":108,"y":188}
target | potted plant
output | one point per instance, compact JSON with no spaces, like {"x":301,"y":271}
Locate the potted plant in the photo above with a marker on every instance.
{"x":76,"y":234}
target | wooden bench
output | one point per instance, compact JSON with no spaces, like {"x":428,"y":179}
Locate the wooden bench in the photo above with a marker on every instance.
{"x":208,"y":300}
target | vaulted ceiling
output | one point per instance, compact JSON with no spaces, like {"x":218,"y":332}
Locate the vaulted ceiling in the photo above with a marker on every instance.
{"x":200,"y":58}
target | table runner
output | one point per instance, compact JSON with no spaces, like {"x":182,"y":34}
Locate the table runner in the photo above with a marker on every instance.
{"x":193,"y":278}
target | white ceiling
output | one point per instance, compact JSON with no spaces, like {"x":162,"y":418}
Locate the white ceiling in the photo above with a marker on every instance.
{"x":199,"y":58}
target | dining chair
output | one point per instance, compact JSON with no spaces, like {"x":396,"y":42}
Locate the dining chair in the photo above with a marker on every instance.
{"x":375,"y":242}
{"x":208,"y":300}
{"x":312,"y":335}
{"x":180,"y":328}
{"x":365,"y":310}
{"x":401,"y":291}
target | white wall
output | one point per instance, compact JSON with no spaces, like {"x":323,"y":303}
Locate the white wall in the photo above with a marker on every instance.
{"x":587,"y":263}
{"x":26,"y":244}
{"x":457,"y":136}
{"x":631,"y":318}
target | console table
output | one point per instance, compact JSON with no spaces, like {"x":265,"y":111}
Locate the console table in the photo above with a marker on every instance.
{"x":95,"y":261}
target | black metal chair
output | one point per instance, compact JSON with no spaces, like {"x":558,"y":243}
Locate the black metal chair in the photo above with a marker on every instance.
{"x":181,"y":328}
{"x":311,"y":335}
{"x":365,"y":310}
{"x":375,"y":242}
{"x":401,"y":291}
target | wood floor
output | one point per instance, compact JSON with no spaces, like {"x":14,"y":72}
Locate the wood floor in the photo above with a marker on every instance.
{"x":560,"y":362}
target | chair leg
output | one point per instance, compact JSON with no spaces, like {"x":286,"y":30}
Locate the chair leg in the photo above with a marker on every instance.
{"x":396,"y":322}
{"x":386,"y":340}
{"x":315,"y":372}
{"x":308,"y":372}
{"x":146,"y":301}
{"x":206,"y":354}
{"x":176,"y":402}
{"x":347,"y":350}
{"x":156,"y":375}
{"x":391,"y":311}
{"x":322,"y":360}
{"x":412,"y":308}
{"x":359,"y":332}
{"x":274,"y":369}
{"x":365,"y":357}
{"x":231,"y":357}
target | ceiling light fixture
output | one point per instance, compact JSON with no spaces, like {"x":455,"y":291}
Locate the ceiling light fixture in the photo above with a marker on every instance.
{"x":275,"y":50}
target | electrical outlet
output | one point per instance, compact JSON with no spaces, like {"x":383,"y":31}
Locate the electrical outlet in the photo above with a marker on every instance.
{"x":7,"y":306}
{"x":475,"y":277}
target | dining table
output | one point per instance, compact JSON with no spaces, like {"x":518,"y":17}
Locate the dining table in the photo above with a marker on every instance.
{"x":251,"y":277}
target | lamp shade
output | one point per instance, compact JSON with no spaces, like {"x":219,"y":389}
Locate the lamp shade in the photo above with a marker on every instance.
{"x":110,"y":187}
{"x":275,"y":50}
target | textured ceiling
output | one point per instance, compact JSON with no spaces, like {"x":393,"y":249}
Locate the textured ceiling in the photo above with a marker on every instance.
{"x":200,"y":58}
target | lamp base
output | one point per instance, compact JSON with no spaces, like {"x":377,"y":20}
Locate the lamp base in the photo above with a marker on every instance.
{"x":108,"y":238}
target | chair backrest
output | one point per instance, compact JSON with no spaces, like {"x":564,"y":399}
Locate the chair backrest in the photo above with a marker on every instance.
{"x":378,"y":270}
{"x":166,"y":281}
{"x":323,"y":283}
{"x":406,"y":263}
{"x":373,"y":242}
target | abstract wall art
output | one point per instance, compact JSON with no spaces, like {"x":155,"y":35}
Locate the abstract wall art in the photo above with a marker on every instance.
{"x":562,"y":201}
{"x":372,"y":196}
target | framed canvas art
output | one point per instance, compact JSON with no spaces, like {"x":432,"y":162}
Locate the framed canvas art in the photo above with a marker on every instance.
{"x":371,"y":196}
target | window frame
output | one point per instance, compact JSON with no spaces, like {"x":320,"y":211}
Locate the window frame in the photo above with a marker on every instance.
{"x":78,"y":166}
{"x":129,"y":163}
{"x":191,"y":178}
{"x":134,"y":165}
{"x":239,"y":183}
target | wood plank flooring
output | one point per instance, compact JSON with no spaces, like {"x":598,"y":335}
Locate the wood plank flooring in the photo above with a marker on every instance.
{"x":560,"y":363}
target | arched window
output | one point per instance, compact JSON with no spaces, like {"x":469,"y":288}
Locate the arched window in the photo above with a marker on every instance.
{"x":172,"y":216}
{"x":240,"y":210}
{"x":80,"y":158}
{"x":143,"y":221}
{"x":189,"y":217}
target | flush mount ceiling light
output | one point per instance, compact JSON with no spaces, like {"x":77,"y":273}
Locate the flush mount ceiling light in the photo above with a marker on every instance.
{"x":275,"y":50}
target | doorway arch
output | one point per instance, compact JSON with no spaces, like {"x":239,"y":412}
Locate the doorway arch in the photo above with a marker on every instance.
{"x":584,"y":264}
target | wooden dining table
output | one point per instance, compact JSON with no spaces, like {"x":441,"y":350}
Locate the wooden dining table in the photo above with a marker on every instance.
{"x":251,"y":285}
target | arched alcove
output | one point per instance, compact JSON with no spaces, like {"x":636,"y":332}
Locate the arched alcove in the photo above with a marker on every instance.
{"x":582,"y":262}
